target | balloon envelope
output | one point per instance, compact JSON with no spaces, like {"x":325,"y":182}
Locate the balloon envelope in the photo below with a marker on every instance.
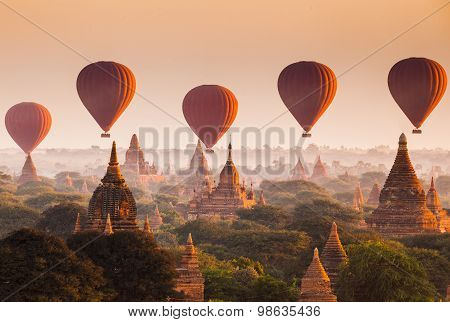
{"x":106,"y":90}
{"x":28,"y":124}
{"x":210,"y":110}
{"x":307,"y":89}
{"x":417,"y":85}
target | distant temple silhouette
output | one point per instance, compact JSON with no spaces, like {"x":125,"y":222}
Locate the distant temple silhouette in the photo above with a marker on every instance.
{"x":29,"y":173}
{"x":225,"y":198}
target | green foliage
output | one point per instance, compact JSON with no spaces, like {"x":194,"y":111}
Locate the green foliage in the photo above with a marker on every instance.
{"x":26,"y":256}
{"x":379,"y":271}
{"x":34,"y":188}
{"x":436,"y":266}
{"x":135,"y":268}
{"x":338,"y":186}
{"x":14,"y":216}
{"x":368,"y":179}
{"x":316,"y":218}
{"x":277,"y":250}
{"x":270,"y":216}
{"x":346,"y":197}
{"x":48,"y":199}
{"x":439,"y":242}
{"x":60,"y":220}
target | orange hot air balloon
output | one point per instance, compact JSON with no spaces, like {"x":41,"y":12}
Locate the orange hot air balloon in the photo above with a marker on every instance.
{"x":28,"y":124}
{"x":210,"y":110}
{"x":307,"y":89}
{"x":106,"y":90}
{"x":417,"y":85}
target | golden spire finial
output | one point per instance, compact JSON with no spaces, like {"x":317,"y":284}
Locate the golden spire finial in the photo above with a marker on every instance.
{"x":189,"y":240}
{"x":108,"y":227}
{"x":113,"y":159}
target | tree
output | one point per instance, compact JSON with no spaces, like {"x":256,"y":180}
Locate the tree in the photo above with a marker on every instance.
{"x":270,"y":216}
{"x":381,"y":271}
{"x":34,"y":188}
{"x":269,"y":289}
{"x":35,"y":266}
{"x":15,"y":216}
{"x":439,"y":242}
{"x":47,"y":199}
{"x":60,"y":220}
{"x":135,"y":268}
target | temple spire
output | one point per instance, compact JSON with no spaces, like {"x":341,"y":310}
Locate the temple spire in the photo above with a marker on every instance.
{"x":77,"y":228}
{"x":108,"y":227}
{"x":147,"y":228}
{"x":315,"y":285}
{"x":113,"y":159}
{"x":262,"y":200}
{"x":333,"y":254}
{"x":229,"y":152}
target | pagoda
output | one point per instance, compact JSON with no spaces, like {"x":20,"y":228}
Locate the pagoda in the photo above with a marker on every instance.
{"x":190,"y":280}
{"x":333,"y":255}
{"x":147,"y":228}
{"x":358,"y":199}
{"x":315,"y":285}
{"x":112,"y":199}
{"x":225,"y":198}
{"x":84,"y":187}
{"x":136,"y":165}
{"x":319,"y":170}
{"x":299,"y":173}
{"x":402,"y":208}
{"x":198,"y":171}
{"x":29,"y":173}
{"x":434,"y":204}
{"x":68,"y":182}
{"x":262,"y":200}
{"x":156,"y":220}
{"x":374,"y":195}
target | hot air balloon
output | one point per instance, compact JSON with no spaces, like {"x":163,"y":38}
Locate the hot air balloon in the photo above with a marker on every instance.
{"x":417,"y":85}
{"x":307,"y":89}
{"x":28,"y":124}
{"x":210,"y":110}
{"x":106,"y":90}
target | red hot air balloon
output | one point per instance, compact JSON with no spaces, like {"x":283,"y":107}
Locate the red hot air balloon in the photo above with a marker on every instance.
{"x":106,"y":90}
{"x":28,"y":124}
{"x":417,"y":85}
{"x":307,"y":89}
{"x":210,"y":110}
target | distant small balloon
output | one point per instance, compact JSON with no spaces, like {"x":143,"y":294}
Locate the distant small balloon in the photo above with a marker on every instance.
{"x":106,"y":89}
{"x":417,"y":85}
{"x":28,"y":124}
{"x":307,"y":89}
{"x":210,"y":110}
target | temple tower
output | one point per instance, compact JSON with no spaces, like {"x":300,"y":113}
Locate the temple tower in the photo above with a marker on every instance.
{"x":190,"y":280}
{"x":434,"y":204}
{"x":299,"y":173}
{"x":29,"y":173}
{"x":112,"y":198}
{"x":358,"y":199}
{"x":156,"y":220}
{"x":84,"y":187}
{"x":402,"y":208}
{"x":315,"y":285}
{"x":374,"y":195}
{"x":333,"y":255}
{"x":262,"y":200}
{"x":319,"y":170}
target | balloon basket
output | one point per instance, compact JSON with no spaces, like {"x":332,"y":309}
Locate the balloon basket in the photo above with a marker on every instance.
{"x":417,"y":131}
{"x":210,"y":151}
{"x":105,"y":135}
{"x":306,"y":135}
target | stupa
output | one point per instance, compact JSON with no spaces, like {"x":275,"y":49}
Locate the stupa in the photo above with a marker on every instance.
{"x":113,"y":199}
{"x":29,"y":173}
{"x":147,"y":228}
{"x":333,"y":255}
{"x":190,"y":280}
{"x":374,"y":195}
{"x":68,"y":182}
{"x":358,"y":199}
{"x":156,"y":220}
{"x":84,"y":187}
{"x":299,"y":173}
{"x":402,"y":208}
{"x":434,"y":204}
{"x":315,"y":285}
{"x":319,"y":170}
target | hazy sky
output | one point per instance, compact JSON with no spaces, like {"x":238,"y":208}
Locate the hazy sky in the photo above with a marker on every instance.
{"x":172,"y":46}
